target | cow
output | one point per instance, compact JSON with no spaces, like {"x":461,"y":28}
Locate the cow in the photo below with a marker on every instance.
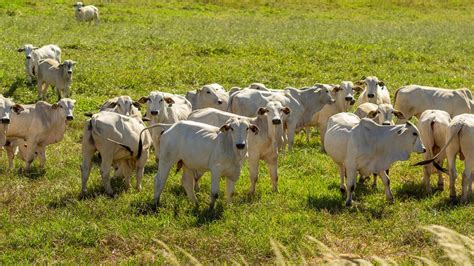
{"x":36,"y":127}
{"x":262,"y":146}
{"x":86,"y":13}
{"x":459,"y":140}
{"x":123,"y":105}
{"x":120,"y":140}
{"x":7,"y":107}
{"x":343,"y":95}
{"x":433,"y":126}
{"x":382,"y":114}
{"x":59,"y":75}
{"x":211,"y":95}
{"x":164,"y":108}
{"x":375,"y":91}
{"x":199,"y":148}
{"x":413,"y":100}
{"x":34,"y":54}
{"x":368,"y":148}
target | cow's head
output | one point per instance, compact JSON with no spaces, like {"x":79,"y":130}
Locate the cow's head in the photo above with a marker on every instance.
{"x":344,"y":94}
{"x":212,"y":95}
{"x":274,"y":112}
{"x":157,"y":102}
{"x":6,"y":109}
{"x":258,"y":86}
{"x":411,"y":138}
{"x":384,"y":114}
{"x":373,"y":84}
{"x":67,"y":66}
{"x":238,"y":129}
{"x":28,"y":49}
{"x":124,"y":105}
{"x":324,"y":95}
{"x":78,"y":6}
{"x":66,"y":107}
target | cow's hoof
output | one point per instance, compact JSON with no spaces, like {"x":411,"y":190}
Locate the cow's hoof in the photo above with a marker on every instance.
{"x":348,"y":203}
{"x":440,"y":187}
{"x":343,"y":191}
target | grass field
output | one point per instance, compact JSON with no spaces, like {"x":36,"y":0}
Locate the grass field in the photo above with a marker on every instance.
{"x":175,"y":47}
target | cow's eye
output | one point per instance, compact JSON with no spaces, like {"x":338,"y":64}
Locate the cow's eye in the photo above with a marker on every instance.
{"x":415,"y":134}
{"x":208,"y":92}
{"x":161,"y":100}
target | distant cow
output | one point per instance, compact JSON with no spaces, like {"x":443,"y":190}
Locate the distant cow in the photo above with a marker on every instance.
{"x":433,"y":126}
{"x":123,"y":105}
{"x":412,"y":100}
{"x":118,"y":140}
{"x":459,"y":140}
{"x":34,"y":54}
{"x":200,"y":148}
{"x":368,"y":148}
{"x":59,"y":75}
{"x":7,"y":107}
{"x":382,"y":114}
{"x":261,"y":146}
{"x":211,"y":95}
{"x":36,"y":127}
{"x":375,"y":91}
{"x":86,"y":13}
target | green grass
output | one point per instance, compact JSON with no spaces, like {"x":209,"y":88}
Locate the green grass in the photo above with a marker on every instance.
{"x":175,"y":47}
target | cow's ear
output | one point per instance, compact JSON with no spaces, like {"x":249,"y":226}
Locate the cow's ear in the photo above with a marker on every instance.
{"x":137,"y":105}
{"x":22,"y":49}
{"x":357,"y":89}
{"x":254,"y":129}
{"x":225,"y":128}
{"x":381,"y":83}
{"x":112,"y":104}
{"x":169,"y":101}
{"x":143,"y":99}
{"x":55,"y":106}
{"x":337,"y":88}
{"x":198,"y":90}
{"x":145,"y":119}
{"x":372,"y":114}
{"x":17,"y":108}
{"x":262,"y":111}
{"x":286,"y":110}
{"x":398,"y":114}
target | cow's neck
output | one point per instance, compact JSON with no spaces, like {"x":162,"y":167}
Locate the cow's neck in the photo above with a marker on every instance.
{"x":56,"y":127}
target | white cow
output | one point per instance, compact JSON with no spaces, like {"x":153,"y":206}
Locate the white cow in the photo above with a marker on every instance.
{"x":368,"y":148}
{"x":200,"y":148}
{"x":36,"y":127}
{"x":7,"y":107}
{"x":375,"y":91}
{"x":211,"y":95}
{"x":86,"y":13}
{"x":433,"y":126}
{"x":382,"y":114}
{"x":34,"y":54}
{"x":59,"y":75}
{"x":412,"y":100}
{"x":123,"y":105}
{"x":459,"y":140}
{"x":262,"y":146}
{"x":119,"y":141}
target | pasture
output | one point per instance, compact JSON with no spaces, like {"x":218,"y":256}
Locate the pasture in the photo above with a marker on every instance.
{"x":141,"y":46}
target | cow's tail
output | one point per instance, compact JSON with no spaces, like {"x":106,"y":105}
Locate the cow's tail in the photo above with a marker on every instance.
{"x":453,"y":133}
{"x":140,"y":141}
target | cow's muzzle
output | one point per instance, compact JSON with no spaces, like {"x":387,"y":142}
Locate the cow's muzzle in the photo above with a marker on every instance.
{"x":240,"y":146}
{"x":69,"y":118}
{"x":349,"y":98}
{"x":370,"y":95}
{"x":219,"y":101}
{"x":154,"y":112}
{"x":5,"y":120}
{"x":276,"y":121}
{"x":69,"y":71}
{"x":28,"y":57}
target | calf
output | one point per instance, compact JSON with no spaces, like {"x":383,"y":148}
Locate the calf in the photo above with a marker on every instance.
{"x":413,"y":100}
{"x":7,"y":107}
{"x":86,"y":13}
{"x":36,"y":127}
{"x":375,"y":91}
{"x":200,"y":148}
{"x":34,"y":54}
{"x":119,"y":141}
{"x":51,"y":72}
{"x":211,"y":95}
{"x":369,"y":148}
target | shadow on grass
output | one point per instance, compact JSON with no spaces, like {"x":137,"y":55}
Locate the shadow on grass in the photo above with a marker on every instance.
{"x":206,"y":215}
{"x":35,"y":172}
{"x":328,"y":203}
{"x":15,"y":85}
{"x":151,"y":168}
{"x":412,"y":190}
{"x":247,"y":198}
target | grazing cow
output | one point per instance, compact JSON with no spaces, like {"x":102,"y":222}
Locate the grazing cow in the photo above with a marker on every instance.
{"x":211,"y":95}
{"x":343,"y":95}
{"x":368,"y":148}
{"x":34,"y":55}
{"x":382,"y":114}
{"x":36,"y":127}
{"x":119,"y":141}
{"x":86,"y":13}
{"x":375,"y":91}
{"x":433,"y":126}
{"x":412,"y":100}
{"x":164,"y":108}
{"x":51,"y":72}
{"x":459,"y":140}
{"x":123,"y":105}
{"x":200,"y":148}
{"x":262,"y":146}
{"x":7,"y":107}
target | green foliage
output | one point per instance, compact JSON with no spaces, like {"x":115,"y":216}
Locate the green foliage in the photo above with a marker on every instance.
{"x":178,"y":46}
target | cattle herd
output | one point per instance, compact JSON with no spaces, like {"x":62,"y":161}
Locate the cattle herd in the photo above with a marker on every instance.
{"x":211,"y":129}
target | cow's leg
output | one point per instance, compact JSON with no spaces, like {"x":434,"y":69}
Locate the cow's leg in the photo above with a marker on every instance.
{"x":40,"y":89}
{"x":86,"y":167}
{"x":215,"y":178}
{"x":308,"y":133}
{"x":351,"y":173}
{"x":342,"y":176}
{"x":125,"y":169}
{"x":291,"y":135}
{"x":273,"y":170}
{"x":440,"y":178}
{"x":230,"y":186}
{"x":451,"y":153}
{"x":253,"y":172}
{"x":322,"y":133}
{"x":466,"y":181}
{"x":42,"y":156}
{"x":105,"y":166}
{"x":11,"y":150}
{"x":187,"y":180}
{"x":141,"y":169}
{"x":161,"y":177}
{"x":374,"y":184}
{"x":30,"y":154}
{"x":386,"y":183}
{"x":426,"y":178}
